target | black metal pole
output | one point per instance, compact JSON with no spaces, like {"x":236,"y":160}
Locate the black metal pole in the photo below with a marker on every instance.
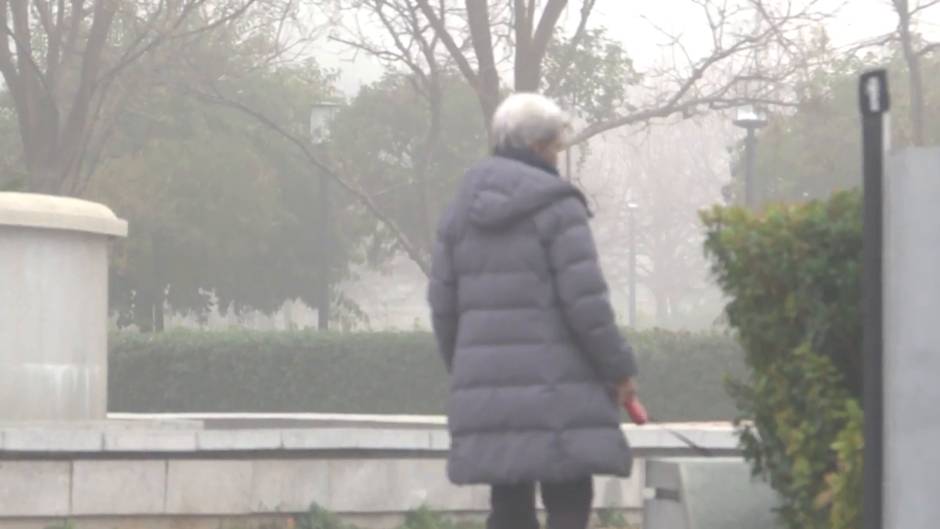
{"x":874,"y":102}
{"x":632,"y":314}
{"x":325,"y":251}
{"x":750,"y":154}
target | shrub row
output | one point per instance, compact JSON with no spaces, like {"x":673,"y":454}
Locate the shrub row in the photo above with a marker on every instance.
{"x":792,"y":275}
{"x":682,"y":375}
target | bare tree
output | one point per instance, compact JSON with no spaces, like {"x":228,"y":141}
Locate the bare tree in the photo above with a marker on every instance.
{"x":532,"y":30}
{"x":408,"y":41}
{"x":644,"y":167}
{"x":754,"y":49}
{"x":914,"y":49}
{"x":62,"y":61}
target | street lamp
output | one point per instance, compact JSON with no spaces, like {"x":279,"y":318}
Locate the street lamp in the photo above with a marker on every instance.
{"x":751,"y":120}
{"x":631,"y":215}
{"x":321,"y":117}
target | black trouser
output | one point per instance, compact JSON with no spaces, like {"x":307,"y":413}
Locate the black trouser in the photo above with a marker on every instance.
{"x":568,"y":505}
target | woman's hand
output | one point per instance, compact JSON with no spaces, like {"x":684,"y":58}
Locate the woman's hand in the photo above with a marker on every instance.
{"x":626,"y":391}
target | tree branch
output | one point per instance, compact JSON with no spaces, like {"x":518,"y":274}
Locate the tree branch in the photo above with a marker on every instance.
{"x":455,"y":51}
{"x":571,"y":50}
{"x":547,"y":25}
{"x":409,"y":248}
{"x":478,"y":19}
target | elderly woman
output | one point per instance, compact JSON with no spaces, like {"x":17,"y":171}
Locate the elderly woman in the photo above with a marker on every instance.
{"x":522,"y":318}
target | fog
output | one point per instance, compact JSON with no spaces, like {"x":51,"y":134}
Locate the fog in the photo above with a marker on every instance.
{"x":193,"y":124}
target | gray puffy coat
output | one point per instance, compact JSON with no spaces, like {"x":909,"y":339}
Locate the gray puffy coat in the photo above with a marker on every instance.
{"x":522,"y":317}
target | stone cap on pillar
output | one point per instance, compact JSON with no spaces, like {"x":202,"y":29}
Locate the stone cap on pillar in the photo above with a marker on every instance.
{"x":31,"y":210}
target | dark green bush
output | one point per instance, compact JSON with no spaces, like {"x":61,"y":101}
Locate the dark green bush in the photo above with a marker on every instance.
{"x":792,"y":274}
{"x":682,"y":375}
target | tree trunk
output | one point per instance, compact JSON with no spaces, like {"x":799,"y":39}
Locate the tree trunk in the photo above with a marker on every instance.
{"x":159,"y":282}
{"x":662,"y":307}
{"x":478,"y":18}
{"x":324,"y":290}
{"x":426,"y":159}
{"x":914,"y":73}
{"x":158,"y":314}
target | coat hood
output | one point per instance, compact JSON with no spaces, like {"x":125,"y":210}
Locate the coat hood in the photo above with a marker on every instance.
{"x":506,"y":191}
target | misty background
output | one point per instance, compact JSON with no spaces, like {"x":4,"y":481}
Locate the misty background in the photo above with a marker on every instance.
{"x":192,"y":120}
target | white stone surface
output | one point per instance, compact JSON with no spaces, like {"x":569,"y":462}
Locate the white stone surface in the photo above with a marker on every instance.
{"x":222,"y":440}
{"x":356,"y":439}
{"x":287,"y":485}
{"x":207,"y":487}
{"x":621,"y":493}
{"x":28,"y":210}
{"x":118,"y":487}
{"x":423,"y":437}
{"x":53,"y":308}
{"x":50,"y":439}
{"x":912,"y":340}
{"x":712,"y":493}
{"x":34,"y":488}
{"x":358,"y":471}
{"x":150,"y":441}
{"x":424,"y":482}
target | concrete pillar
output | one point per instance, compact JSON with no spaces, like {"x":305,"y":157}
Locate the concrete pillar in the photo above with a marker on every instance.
{"x":912,"y":340}
{"x":54,"y":307}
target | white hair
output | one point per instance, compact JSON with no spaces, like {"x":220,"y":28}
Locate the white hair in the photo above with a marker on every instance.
{"x":524,"y":120}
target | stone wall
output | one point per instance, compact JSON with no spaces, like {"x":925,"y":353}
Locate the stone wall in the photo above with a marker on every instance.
{"x":231,"y":473}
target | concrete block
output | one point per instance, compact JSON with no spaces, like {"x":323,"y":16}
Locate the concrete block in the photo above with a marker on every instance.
{"x":420,"y":482}
{"x":394,"y":439}
{"x":238,"y":440}
{"x":54,"y":307}
{"x":362,"y":485}
{"x":353,"y":439}
{"x":34,"y":488}
{"x":150,"y":441}
{"x":662,"y":474}
{"x":614,"y":493}
{"x":51,"y":440}
{"x":118,"y":487}
{"x":911,"y":333}
{"x":209,"y":487}
{"x":377,"y":486}
{"x":440,"y":440}
{"x":717,"y":493}
{"x":289,"y":485}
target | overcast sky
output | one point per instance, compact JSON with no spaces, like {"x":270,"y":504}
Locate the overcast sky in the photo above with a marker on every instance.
{"x":634,"y":23}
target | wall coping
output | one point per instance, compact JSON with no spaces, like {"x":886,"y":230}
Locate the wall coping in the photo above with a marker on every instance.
{"x":29,"y":210}
{"x":365,"y":436}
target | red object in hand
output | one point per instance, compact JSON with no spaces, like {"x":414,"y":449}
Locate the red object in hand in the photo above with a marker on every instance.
{"x":637,"y":411}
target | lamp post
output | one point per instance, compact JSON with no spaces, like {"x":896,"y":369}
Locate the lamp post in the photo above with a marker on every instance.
{"x":631,"y":215}
{"x":751,"y":120}
{"x":321,"y":117}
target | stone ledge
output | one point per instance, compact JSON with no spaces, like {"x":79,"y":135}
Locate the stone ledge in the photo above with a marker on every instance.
{"x":223,"y":487}
{"x":425,"y":436}
{"x":29,"y":210}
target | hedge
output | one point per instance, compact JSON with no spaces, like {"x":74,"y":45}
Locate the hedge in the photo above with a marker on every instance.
{"x":792,"y":274}
{"x":682,"y":375}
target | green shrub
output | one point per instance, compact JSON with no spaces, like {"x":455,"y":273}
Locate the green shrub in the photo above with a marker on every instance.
{"x":682,"y":375}
{"x":792,"y":274}
{"x":612,"y":519}
{"x":424,"y":518}
{"x":320,"y":518}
